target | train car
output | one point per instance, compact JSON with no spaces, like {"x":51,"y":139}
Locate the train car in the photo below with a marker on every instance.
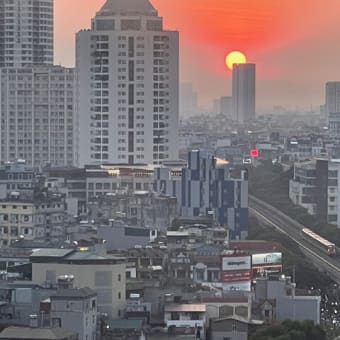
{"x":328,"y":246}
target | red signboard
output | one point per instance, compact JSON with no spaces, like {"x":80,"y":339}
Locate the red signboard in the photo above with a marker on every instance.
{"x":254,"y":153}
{"x":236,"y":276}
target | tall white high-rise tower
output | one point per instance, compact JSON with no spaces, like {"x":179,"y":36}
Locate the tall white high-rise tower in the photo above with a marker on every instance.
{"x":127,"y":80}
{"x":244,"y":89}
{"x":26,"y":32}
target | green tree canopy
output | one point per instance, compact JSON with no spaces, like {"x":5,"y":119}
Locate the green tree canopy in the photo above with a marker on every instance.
{"x":290,"y":330}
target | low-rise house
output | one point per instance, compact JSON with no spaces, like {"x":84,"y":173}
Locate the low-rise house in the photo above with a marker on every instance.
{"x":41,"y":217}
{"x":278,"y":299}
{"x":150,"y":262}
{"x":123,"y":329}
{"x":207,"y":264}
{"x":20,"y":300}
{"x":75,"y":309}
{"x":177,"y":239}
{"x":103,"y":273}
{"x":183,"y":317}
{"x":179,"y":270}
{"x":137,"y":308}
{"x":231,"y":328}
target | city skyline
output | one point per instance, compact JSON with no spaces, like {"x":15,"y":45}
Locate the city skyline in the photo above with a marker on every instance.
{"x":276,"y":36}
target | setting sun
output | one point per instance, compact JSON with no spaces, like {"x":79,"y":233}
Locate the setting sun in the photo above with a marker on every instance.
{"x":235,"y":57}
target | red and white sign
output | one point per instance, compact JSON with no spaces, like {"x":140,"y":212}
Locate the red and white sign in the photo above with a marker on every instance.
{"x":236,"y":268}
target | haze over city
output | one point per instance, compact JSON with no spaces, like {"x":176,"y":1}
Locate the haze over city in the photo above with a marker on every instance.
{"x":169,"y":169}
{"x":296,"y":51}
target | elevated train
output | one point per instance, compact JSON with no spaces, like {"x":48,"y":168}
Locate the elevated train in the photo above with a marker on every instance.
{"x":328,"y":246}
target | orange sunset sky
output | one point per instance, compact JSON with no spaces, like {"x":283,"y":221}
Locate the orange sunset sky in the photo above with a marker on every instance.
{"x":295,"y":43}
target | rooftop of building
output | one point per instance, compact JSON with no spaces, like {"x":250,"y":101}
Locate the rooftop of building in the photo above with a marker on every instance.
{"x":36,"y":197}
{"x":182,"y":221}
{"x":65,"y":172}
{"x":143,"y":252}
{"x":232,"y":298}
{"x":185,"y":307}
{"x":239,"y":319}
{"x":127,"y":7}
{"x":34,"y":244}
{"x":179,"y":233}
{"x":125,"y":324}
{"x":72,"y":256}
{"x":254,"y":245}
{"x":35,"y":333}
{"x":119,"y":170}
{"x":209,"y":250}
{"x":74,"y":293}
{"x":51,"y":252}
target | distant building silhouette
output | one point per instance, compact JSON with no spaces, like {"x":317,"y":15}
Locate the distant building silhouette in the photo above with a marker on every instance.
{"x":244,"y":89}
{"x":188,"y":105}
{"x":332,"y":106}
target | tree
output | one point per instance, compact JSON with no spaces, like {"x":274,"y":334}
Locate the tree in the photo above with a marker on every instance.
{"x":290,"y":330}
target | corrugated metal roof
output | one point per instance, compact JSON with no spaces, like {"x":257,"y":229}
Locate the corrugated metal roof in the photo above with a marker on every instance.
{"x":51,"y":252}
{"x":125,"y":324}
{"x":34,"y":333}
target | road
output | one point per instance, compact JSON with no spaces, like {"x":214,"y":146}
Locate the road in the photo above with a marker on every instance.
{"x":288,"y":226}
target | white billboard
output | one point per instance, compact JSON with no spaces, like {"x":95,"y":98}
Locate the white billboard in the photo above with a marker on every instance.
{"x":235,"y":263}
{"x":266,"y":259}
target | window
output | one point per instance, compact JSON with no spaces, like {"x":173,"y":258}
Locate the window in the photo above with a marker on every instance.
{"x":119,"y":277}
{"x":174,"y":316}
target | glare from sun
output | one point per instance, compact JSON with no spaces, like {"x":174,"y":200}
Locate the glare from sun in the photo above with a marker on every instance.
{"x":235,"y":57}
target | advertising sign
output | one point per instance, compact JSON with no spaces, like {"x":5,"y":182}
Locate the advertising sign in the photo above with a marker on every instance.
{"x":236,"y":263}
{"x":236,"y":268}
{"x":236,"y":276}
{"x":266,"y":259}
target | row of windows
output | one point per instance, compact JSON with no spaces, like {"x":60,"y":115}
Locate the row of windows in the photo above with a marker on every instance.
{"x":14,"y":231}
{"x":138,"y":117}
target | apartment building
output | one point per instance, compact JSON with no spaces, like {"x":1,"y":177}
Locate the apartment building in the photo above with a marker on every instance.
{"x":37,"y":120}
{"x":127,"y":78}
{"x":26,"y":32}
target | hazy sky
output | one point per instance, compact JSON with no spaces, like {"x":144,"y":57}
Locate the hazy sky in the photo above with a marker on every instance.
{"x":295,"y":43}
